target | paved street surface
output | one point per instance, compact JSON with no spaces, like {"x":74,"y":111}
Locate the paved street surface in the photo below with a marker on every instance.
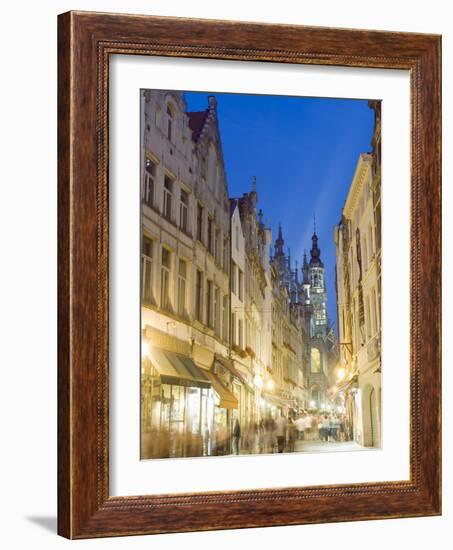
{"x":317,"y":446}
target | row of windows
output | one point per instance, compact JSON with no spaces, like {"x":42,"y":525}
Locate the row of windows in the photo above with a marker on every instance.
{"x":317,"y":279}
{"x":367,"y":252}
{"x":372,"y":322}
{"x":209,"y":168}
{"x":206,"y":230}
{"x":211,"y":306}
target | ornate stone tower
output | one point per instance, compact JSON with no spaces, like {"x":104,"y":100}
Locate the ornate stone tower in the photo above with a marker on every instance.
{"x":318,"y":291}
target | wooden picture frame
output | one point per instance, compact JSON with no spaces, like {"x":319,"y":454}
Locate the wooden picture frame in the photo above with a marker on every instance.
{"x":85,"y":41}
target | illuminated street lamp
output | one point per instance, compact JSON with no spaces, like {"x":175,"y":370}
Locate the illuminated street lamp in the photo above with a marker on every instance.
{"x":270,"y":384}
{"x":340,"y":373}
{"x":258,"y":381}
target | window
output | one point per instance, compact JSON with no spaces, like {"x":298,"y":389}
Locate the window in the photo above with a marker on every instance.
{"x":182,"y":280}
{"x":216,"y":310}
{"x":203,"y":167}
{"x":210,"y":227}
{"x":199,"y":222}
{"x":233,"y":328}
{"x":240,"y":333}
{"x":217,"y":245}
{"x":247,"y":332}
{"x":147,"y":269}
{"x":199,"y":296}
{"x":226,"y":256}
{"x":364,"y":254}
{"x":237,"y":237}
{"x":316,"y":397}
{"x":374,"y":307}
{"x":184,"y":211}
{"x":315,"y":360}
{"x":168,"y":194}
{"x":149,"y":181}
{"x":368,"y":317}
{"x":370,"y":242}
{"x":209,"y":304}
{"x":169,"y":123}
{"x":165,"y":279}
{"x":225,"y":317}
{"x":234,"y":277}
{"x":241,"y":285}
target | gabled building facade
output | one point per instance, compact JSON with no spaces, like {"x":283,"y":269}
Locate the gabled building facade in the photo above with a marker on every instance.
{"x":184,"y":272}
{"x":358,"y":250}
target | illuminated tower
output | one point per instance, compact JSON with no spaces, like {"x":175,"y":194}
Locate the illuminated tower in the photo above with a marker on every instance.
{"x":318,"y":291}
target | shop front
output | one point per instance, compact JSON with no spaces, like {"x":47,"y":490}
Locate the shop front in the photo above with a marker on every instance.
{"x":225,"y":410}
{"x":177,"y":406}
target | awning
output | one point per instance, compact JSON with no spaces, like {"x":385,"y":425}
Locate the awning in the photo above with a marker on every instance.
{"x":344,"y":385}
{"x":174,"y":368}
{"x":227,"y":398}
{"x":228,"y":364}
{"x":279,"y":401}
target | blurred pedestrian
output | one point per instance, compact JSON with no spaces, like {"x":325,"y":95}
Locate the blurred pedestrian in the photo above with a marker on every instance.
{"x":300,"y":423}
{"x":280,"y":431}
{"x":236,"y":436}
{"x":292,"y":434}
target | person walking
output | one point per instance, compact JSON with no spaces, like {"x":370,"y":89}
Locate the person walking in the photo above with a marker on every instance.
{"x":280,"y":432}
{"x":236,"y":436}
{"x":308,"y":425}
{"x":292,"y":434}
{"x":300,"y":423}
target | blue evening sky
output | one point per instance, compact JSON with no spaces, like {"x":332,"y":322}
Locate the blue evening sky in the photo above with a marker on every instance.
{"x":303,"y":152}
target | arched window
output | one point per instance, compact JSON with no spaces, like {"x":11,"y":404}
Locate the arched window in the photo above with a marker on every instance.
{"x":315,"y":398}
{"x":315,"y":360}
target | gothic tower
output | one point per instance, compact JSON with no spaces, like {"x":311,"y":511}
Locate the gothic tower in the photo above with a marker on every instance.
{"x":318,"y":291}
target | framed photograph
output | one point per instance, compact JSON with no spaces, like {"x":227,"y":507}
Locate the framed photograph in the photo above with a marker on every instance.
{"x":249,"y":275}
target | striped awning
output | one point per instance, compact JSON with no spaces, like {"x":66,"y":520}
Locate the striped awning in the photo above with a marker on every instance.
{"x":177,"y":369}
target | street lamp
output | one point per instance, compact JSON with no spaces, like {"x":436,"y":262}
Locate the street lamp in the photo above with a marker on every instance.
{"x":270,"y":384}
{"x":145,"y":348}
{"x":340,"y":373}
{"x":258,"y":381}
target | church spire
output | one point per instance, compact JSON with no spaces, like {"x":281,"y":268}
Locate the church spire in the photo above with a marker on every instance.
{"x":279,"y":242}
{"x":253,"y":194}
{"x":315,"y":252}
{"x":305,"y":269}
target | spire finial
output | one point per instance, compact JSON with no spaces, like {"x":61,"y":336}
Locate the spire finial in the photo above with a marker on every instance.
{"x":279,"y":242}
{"x":254,"y":184}
{"x":314,"y":223}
